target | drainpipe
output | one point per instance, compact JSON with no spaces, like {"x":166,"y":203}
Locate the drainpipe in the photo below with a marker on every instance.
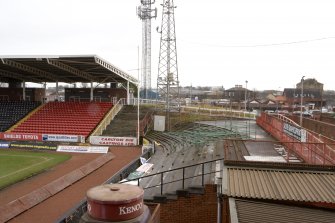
{"x":219,"y":199}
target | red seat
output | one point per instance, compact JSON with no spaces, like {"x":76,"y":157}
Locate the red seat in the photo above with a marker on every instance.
{"x":73,"y":118}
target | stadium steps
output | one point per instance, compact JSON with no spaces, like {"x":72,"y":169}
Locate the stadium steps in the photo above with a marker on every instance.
{"x":108,"y":118}
{"x":124,"y":123}
{"x":26,"y":117}
{"x":190,"y":144}
{"x":194,"y":190}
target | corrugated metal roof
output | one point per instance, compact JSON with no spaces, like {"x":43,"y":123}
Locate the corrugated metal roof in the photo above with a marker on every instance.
{"x":281,"y":185}
{"x":261,"y":212}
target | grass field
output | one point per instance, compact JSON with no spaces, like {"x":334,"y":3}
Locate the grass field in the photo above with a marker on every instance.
{"x":18,"y":165}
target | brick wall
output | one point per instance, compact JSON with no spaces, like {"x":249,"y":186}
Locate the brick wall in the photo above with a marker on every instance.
{"x":155,"y":212}
{"x":328,"y":119}
{"x":195,"y":208}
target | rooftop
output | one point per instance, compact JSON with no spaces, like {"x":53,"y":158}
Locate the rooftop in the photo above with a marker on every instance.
{"x":251,"y":211}
{"x":275,"y":184}
{"x":68,"y":69}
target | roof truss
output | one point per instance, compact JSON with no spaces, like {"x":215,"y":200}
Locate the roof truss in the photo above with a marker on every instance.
{"x":71,"y":70}
{"x":34,"y":71}
{"x":115,"y":70}
{"x":67,"y":69}
{"x":8,"y":74}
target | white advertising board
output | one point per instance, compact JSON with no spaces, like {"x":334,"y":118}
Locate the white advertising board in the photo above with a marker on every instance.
{"x":159,"y":123}
{"x":83,"y":149}
{"x":113,"y":141}
{"x":145,"y":167}
{"x":295,"y":132}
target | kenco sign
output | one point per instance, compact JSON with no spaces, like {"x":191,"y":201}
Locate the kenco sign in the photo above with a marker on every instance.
{"x":113,"y":141}
{"x":21,"y":136}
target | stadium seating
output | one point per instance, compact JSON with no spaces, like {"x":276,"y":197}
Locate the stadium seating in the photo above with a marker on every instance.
{"x":66,"y":118}
{"x":12,"y":111}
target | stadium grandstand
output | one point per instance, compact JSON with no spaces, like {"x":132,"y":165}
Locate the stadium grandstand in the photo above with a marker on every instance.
{"x":25,"y":110}
{"x":215,"y":171}
{"x":30,"y":122}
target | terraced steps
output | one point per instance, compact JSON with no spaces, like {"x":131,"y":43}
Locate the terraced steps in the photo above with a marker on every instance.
{"x":125,"y":122}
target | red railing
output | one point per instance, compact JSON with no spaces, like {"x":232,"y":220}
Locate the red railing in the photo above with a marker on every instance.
{"x":313,"y":149}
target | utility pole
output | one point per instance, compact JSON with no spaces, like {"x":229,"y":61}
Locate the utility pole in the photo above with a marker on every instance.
{"x":245,"y":96}
{"x":145,"y":13}
{"x":167,"y":79}
{"x":301,"y":98}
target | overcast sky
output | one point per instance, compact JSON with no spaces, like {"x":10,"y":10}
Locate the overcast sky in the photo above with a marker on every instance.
{"x":271,"y":44}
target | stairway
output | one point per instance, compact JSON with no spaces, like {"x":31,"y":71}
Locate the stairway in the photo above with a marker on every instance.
{"x":125,"y":122}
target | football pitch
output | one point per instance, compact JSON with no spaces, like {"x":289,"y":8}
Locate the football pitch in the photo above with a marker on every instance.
{"x":19,"y":165}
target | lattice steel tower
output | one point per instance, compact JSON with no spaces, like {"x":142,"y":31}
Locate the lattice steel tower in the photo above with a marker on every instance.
{"x":146,"y":14}
{"x":167,"y":80}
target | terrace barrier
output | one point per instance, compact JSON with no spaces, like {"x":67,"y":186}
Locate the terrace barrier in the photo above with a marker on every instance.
{"x":309,"y":146}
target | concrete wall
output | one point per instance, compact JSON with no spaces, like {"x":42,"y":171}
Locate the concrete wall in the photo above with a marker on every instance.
{"x":327,"y":119}
{"x":15,"y":94}
{"x":106,"y":94}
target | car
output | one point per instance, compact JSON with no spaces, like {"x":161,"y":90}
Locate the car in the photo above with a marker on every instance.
{"x":324,"y":110}
{"x":307,"y":114}
{"x":282,"y":112}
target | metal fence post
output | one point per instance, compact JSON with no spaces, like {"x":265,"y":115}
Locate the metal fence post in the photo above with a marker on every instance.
{"x":183,"y":177}
{"x":161,"y":183}
{"x":203,"y":174}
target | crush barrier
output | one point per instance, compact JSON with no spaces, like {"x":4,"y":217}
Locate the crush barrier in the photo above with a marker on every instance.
{"x":306,"y":144}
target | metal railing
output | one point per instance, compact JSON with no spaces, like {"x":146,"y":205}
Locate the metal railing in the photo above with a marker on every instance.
{"x":219,"y":112}
{"x":74,"y":214}
{"x":145,"y":123}
{"x":108,"y":118}
{"x":312,"y":149}
{"x":183,"y":178}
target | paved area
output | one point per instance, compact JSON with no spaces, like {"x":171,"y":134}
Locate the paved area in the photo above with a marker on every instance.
{"x":250,"y":130}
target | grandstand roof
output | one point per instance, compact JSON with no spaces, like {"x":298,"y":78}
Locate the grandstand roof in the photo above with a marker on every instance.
{"x":248,"y":211}
{"x":68,"y":69}
{"x":276,"y":184}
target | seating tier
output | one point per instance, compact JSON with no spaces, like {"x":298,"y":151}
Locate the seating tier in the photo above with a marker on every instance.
{"x":68,"y":118}
{"x":13,"y":111}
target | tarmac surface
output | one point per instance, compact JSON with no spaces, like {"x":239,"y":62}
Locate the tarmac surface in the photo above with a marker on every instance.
{"x":250,"y":130}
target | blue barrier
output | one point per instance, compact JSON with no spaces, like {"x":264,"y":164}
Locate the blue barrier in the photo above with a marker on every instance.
{"x":4,"y":145}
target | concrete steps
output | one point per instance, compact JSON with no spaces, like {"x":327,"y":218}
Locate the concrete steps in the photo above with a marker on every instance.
{"x":125,"y":122}
{"x":199,"y":190}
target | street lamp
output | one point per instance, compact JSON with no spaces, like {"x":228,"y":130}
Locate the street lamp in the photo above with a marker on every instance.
{"x":278,"y":94}
{"x":301,"y":98}
{"x":245,"y":95}
{"x":138,"y":95}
